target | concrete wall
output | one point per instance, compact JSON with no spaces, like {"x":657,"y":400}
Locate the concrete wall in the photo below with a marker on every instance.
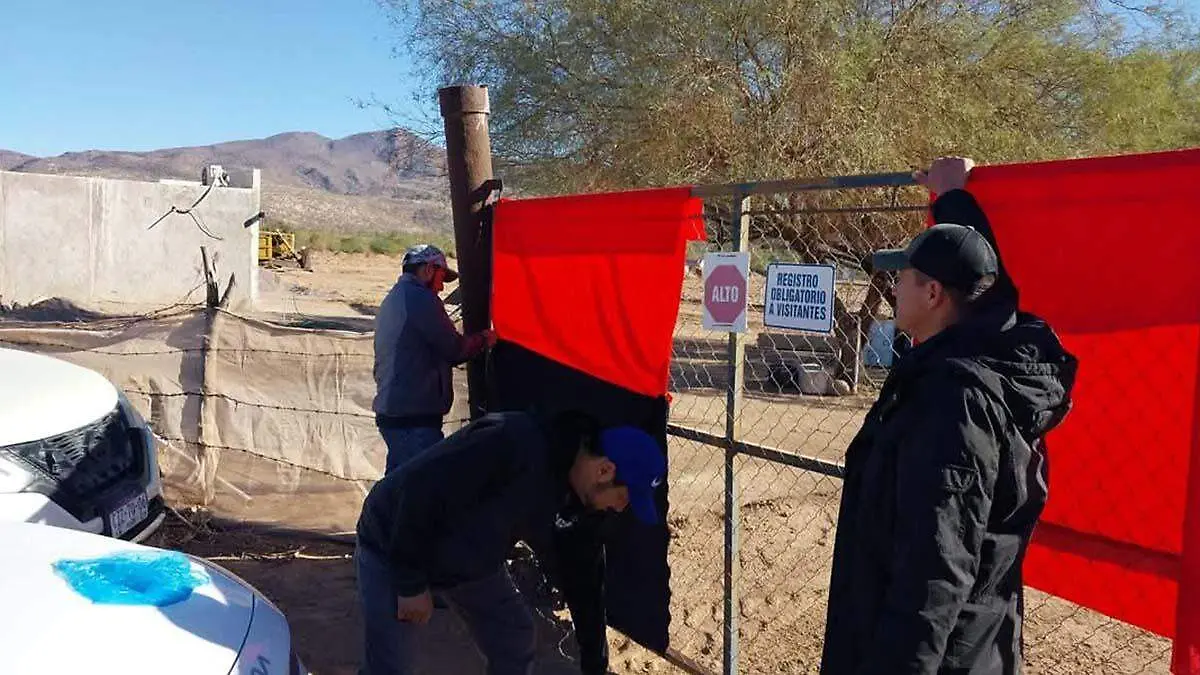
{"x":86,"y":240}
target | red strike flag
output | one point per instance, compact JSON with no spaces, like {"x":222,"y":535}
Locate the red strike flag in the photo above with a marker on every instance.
{"x":593,"y":281}
{"x":1108,"y":251}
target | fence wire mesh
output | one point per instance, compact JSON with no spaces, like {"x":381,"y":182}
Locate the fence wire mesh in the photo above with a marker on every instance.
{"x":803,"y":397}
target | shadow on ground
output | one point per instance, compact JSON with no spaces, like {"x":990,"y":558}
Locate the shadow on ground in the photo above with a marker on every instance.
{"x":313,"y":583}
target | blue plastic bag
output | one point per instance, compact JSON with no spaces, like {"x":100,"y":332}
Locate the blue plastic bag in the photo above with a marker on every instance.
{"x":156,"y":578}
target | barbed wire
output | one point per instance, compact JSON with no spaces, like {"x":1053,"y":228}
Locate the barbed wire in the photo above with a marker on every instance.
{"x":180,"y":350}
{"x":270,"y":406}
{"x":255,"y":453}
{"x":253,"y":404}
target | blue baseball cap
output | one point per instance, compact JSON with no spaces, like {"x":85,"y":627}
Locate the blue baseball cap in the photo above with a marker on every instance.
{"x":428,"y":254}
{"x":641,"y":467}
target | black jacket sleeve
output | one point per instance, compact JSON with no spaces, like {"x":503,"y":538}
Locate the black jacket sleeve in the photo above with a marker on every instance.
{"x":946,"y":473}
{"x":581,"y":568}
{"x":476,"y":463}
{"x":958,"y":206}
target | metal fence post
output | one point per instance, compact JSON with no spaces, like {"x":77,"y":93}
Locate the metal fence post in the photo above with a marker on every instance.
{"x":733,"y":403}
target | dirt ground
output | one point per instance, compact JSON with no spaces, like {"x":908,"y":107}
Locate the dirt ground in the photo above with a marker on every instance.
{"x":313,"y":584}
{"x":786,"y":544}
{"x":339,"y":284}
{"x":788,"y":519}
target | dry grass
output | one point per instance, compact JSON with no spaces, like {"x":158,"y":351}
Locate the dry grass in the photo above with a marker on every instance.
{"x":428,"y":209}
{"x":380,"y":243}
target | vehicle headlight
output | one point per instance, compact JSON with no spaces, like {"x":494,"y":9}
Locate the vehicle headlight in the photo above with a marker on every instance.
{"x":13,"y":476}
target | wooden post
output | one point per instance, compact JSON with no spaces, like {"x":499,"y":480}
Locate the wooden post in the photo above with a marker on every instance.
{"x":212,"y":290}
{"x":469,"y":163}
{"x":224,"y":303}
{"x":206,"y":457}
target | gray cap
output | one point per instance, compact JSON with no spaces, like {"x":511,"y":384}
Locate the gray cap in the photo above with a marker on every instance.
{"x":428,"y":254}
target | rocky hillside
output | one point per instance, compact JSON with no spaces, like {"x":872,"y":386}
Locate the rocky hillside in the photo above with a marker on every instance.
{"x":10,"y":159}
{"x":312,"y":209}
{"x":375,"y":181}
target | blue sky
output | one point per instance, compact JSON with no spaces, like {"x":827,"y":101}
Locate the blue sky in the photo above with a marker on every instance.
{"x":145,"y":74}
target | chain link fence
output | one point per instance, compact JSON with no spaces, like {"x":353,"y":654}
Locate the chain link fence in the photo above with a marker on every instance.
{"x":759,"y":423}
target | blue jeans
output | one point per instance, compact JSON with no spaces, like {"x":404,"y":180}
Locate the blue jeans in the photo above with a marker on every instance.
{"x":492,"y":608}
{"x":405,"y":444}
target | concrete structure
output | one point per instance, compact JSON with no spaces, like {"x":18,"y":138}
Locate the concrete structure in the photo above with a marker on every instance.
{"x":90,"y":241}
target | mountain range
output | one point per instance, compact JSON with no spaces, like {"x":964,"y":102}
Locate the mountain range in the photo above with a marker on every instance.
{"x":374,"y":181}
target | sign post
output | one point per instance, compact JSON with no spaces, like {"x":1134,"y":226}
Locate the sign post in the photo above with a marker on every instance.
{"x":725,"y":291}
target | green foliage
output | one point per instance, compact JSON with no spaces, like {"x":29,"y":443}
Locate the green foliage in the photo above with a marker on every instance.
{"x":352,"y":244}
{"x":395,"y":243}
{"x":382,"y":243}
{"x":317,"y":241}
{"x":604,"y":94}
{"x":386,"y":245}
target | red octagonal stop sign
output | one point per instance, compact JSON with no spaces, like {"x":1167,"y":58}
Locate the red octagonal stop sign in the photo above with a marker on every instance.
{"x":725,"y":293}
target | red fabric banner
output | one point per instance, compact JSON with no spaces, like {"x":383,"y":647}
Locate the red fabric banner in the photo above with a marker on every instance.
{"x":1107,"y":250}
{"x":593,"y":281}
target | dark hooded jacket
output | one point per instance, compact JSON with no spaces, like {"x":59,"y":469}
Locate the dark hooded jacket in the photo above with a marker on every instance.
{"x":944,"y":485}
{"x":453,"y":515}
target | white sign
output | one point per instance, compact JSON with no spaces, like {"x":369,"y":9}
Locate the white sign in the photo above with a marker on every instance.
{"x":725,"y":293}
{"x":799,"y":297}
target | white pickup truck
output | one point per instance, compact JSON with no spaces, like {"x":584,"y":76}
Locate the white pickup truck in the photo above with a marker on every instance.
{"x":73,"y":452}
{"x":58,"y":622}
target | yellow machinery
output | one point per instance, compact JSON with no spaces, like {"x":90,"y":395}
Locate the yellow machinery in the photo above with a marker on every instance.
{"x":276,"y":244}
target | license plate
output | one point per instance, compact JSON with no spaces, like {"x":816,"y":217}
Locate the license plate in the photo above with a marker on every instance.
{"x":126,"y":516}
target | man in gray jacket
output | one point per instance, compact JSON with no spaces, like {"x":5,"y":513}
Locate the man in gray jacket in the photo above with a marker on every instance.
{"x":416,"y":346}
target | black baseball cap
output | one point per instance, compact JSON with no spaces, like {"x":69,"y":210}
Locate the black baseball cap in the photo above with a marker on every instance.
{"x":957,"y":256}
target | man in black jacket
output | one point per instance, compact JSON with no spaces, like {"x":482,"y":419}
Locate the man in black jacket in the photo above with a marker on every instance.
{"x":446,"y":521}
{"x":948,"y":475}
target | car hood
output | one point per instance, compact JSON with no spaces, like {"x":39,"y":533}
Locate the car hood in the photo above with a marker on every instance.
{"x":41,"y":396}
{"x":47,"y":627}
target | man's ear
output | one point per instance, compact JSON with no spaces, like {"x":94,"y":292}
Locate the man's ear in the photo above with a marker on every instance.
{"x":606,"y":469}
{"x":935,"y":293}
